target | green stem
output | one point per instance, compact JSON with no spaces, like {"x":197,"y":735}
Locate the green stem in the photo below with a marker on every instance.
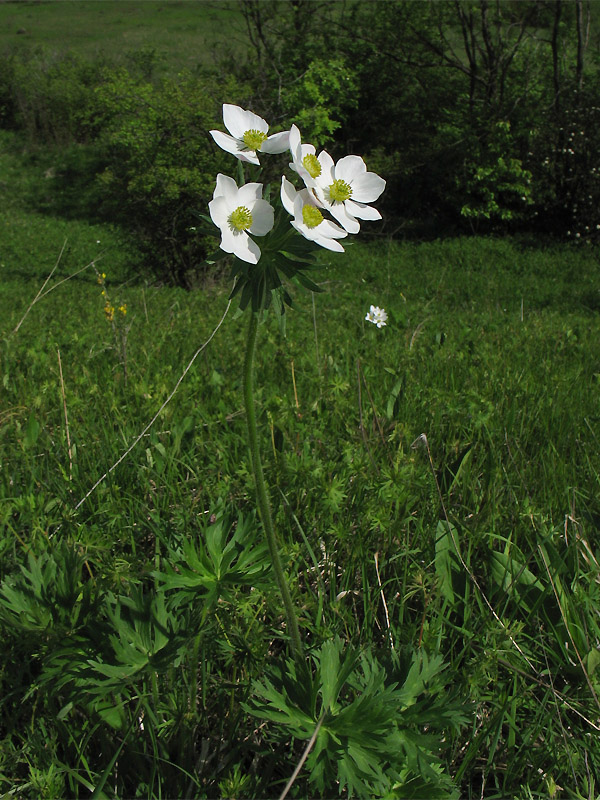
{"x":264,"y":506}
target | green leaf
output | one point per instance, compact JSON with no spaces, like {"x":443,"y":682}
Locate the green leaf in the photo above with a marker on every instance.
{"x":393,"y":400}
{"x":32,"y":431}
{"x":447,"y":561}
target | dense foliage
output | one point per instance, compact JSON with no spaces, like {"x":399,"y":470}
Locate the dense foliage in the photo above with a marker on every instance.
{"x":481,"y":116}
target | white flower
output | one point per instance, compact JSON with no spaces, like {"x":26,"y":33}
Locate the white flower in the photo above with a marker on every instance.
{"x":236,"y":211}
{"x":345,"y":189}
{"x":248,"y":135}
{"x":304,"y":159}
{"x":377,"y":316}
{"x":308,"y":219}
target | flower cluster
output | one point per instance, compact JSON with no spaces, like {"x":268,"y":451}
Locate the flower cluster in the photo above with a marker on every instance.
{"x":377,"y":316}
{"x":342,"y":190}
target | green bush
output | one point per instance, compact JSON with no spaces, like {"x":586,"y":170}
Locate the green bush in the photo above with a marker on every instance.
{"x":159,"y":162}
{"x":123,"y":148}
{"x":494,"y":182}
{"x":47,"y":95}
{"x":565,"y":166}
{"x":320,"y":100}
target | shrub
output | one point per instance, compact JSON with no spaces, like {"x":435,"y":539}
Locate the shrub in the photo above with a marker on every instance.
{"x":320,"y":100}
{"x":567,"y":174}
{"x":159,"y":163}
{"x":131,"y":149}
{"x":48,"y":95}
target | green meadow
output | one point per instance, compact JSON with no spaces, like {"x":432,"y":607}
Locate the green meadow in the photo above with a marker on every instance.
{"x":491,"y":351}
{"x":183,"y":34}
{"x":434,"y":486}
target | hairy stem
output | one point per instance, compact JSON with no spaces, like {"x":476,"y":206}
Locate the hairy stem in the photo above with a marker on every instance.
{"x":264,"y":506}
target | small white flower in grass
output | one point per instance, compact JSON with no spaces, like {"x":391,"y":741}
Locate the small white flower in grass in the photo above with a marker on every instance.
{"x":248,"y":135}
{"x":377,"y":316}
{"x":308,"y":219}
{"x":238,"y":212}
{"x":346,"y":188}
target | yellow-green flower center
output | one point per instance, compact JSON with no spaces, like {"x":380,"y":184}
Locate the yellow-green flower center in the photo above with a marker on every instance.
{"x":253,"y":139}
{"x":339,"y":191}
{"x":311,"y":164}
{"x":240,"y":219}
{"x":311,"y":216}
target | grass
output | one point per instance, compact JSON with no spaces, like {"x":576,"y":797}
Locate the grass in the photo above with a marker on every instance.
{"x":491,"y":351}
{"x":435,"y":486}
{"x":182,"y":34}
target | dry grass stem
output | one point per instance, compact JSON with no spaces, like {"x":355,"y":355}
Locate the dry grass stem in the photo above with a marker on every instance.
{"x":43,"y":286}
{"x":385,"y":608}
{"x":158,"y":413}
{"x":303,"y":758}
{"x":41,"y":294}
{"x":295,"y":391}
{"x":64,"y":399}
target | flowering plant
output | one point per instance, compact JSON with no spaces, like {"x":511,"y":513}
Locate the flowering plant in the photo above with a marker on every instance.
{"x":324,"y":210}
{"x":308,"y":219}
{"x":378,"y":316}
{"x":338,"y":699}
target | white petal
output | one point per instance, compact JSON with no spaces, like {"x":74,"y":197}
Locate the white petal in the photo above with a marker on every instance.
{"x":227,"y":142}
{"x":248,"y":194}
{"x":227,"y":239}
{"x":329,"y":244}
{"x":307,"y":197}
{"x":249,"y":156}
{"x":349,"y":168}
{"x":219,"y":213}
{"x":263,"y":218}
{"x":297,"y":210}
{"x":235,"y":146}
{"x":277,"y":143}
{"x":295,"y":147}
{"x":314,"y":197}
{"x":307,"y":149}
{"x":361,"y":211}
{"x":347,"y":222}
{"x":226,"y":187}
{"x":288,"y":195}
{"x":246,"y":249}
{"x":299,"y":151}
{"x":302,"y":228}
{"x":327,"y":166}
{"x":316,"y":235}
{"x":331,"y":230}
{"x":238,"y":121}
{"x":367,"y":187}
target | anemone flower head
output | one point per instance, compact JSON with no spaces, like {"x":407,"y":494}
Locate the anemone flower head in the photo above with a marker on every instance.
{"x":248,"y":135}
{"x":346,"y":188}
{"x":377,"y":316}
{"x":304,"y":159}
{"x":238,"y":212}
{"x":308,"y":218}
